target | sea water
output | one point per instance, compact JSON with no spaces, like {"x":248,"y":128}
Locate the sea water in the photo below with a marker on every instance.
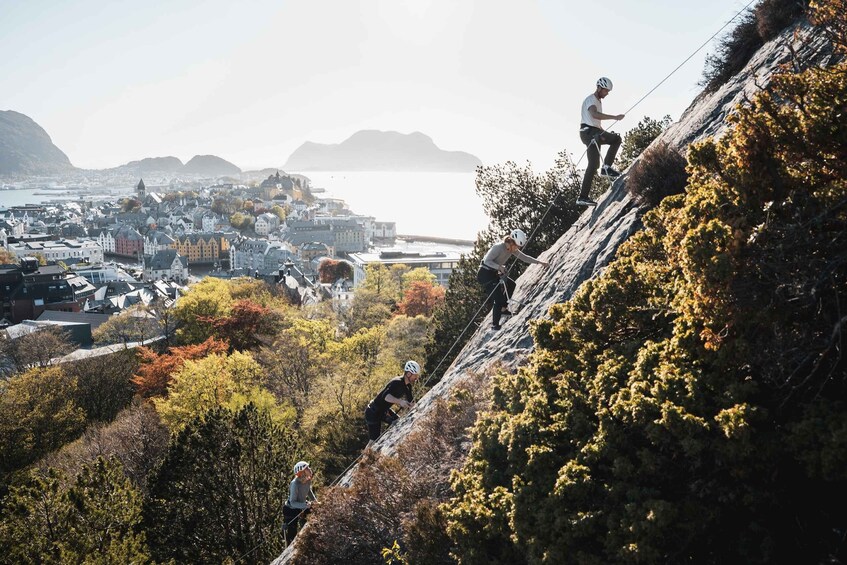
{"x":431,"y":204}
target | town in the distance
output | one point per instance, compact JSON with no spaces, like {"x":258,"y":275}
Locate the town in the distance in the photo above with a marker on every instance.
{"x":81,"y":257}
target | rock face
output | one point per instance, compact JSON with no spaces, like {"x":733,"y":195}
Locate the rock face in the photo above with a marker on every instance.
{"x":590,"y":244}
{"x":372,"y":150}
{"x":26,"y":149}
{"x":211,"y":166}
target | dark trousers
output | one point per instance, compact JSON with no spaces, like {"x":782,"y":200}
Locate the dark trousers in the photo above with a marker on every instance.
{"x":374,"y":421}
{"x":594,"y":138}
{"x":293,"y":519}
{"x":490,"y":281}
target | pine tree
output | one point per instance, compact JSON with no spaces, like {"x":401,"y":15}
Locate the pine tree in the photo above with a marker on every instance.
{"x":96,"y":520}
{"x":219,"y":492}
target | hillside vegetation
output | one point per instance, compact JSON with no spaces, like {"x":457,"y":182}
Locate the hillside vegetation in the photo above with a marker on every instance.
{"x":185,"y":453}
{"x":688,"y":404}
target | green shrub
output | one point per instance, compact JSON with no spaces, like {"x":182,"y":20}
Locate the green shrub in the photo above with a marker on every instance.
{"x":659,"y":173}
{"x":394,"y":502}
{"x":755,"y":28}
{"x":687,"y":406}
{"x":639,"y":138}
{"x":773,"y":16}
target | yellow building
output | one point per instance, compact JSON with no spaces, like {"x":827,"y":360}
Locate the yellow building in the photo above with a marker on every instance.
{"x":202,"y":247}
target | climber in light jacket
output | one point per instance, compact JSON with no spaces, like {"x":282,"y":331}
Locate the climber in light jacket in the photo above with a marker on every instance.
{"x":300,"y":498}
{"x":492,"y":271}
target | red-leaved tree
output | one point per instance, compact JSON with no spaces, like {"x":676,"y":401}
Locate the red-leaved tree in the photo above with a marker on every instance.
{"x":155,"y":371}
{"x":331,"y":270}
{"x":247,"y":322}
{"x":421,"y":298}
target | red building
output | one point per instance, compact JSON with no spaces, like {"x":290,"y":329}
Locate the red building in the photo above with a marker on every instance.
{"x":129,"y":243}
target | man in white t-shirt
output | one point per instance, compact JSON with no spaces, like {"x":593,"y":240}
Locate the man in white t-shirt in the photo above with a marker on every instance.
{"x":593,"y":135}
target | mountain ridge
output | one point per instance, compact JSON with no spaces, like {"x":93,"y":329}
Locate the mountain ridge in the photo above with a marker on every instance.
{"x":26,"y":148}
{"x":377,"y":150}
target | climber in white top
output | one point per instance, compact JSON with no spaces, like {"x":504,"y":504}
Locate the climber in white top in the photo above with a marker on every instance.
{"x":593,"y":135}
{"x":492,"y":271}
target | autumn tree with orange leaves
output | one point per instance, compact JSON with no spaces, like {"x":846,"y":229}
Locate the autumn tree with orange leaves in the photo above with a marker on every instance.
{"x":244,"y":327}
{"x":155,"y":371}
{"x":421,"y":298}
{"x":330,"y":270}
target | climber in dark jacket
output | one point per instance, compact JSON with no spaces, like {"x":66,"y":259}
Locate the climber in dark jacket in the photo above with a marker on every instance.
{"x":397,"y":391}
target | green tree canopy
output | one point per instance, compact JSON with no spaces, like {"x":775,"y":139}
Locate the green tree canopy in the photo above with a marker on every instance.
{"x":211,"y":297}
{"x":96,"y":520}
{"x":215,"y":381}
{"x":636,"y":140}
{"x":37,"y":415}
{"x":383,"y":281}
{"x":217,"y":495}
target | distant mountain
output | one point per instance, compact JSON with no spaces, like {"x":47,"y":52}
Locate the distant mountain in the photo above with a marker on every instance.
{"x":25,"y":148}
{"x":372,"y":150}
{"x":206,"y":165}
{"x":210,"y":165}
{"x":156,"y":164}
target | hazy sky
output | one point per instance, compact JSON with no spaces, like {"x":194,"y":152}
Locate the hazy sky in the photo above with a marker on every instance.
{"x":113,"y":81}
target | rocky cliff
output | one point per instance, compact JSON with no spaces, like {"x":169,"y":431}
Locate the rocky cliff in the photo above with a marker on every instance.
{"x":589,"y":245}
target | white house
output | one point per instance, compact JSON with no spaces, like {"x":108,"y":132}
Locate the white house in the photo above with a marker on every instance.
{"x":266,"y":223}
{"x":106,"y":239}
{"x":384,"y":231}
{"x":209,"y":223}
{"x":166,"y":264}
{"x":61,"y":250}
{"x":12,"y":226}
{"x":157,"y":241}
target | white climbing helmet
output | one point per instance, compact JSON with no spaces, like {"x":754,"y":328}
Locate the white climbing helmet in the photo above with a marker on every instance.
{"x":604,"y":82}
{"x":519,"y":236}
{"x":299,"y":466}
{"x":412,"y":367}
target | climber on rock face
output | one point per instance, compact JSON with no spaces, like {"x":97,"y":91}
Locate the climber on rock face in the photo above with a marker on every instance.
{"x":397,"y":391}
{"x":593,"y":135}
{"x":300,"y":499}
{"x":492,"y":272}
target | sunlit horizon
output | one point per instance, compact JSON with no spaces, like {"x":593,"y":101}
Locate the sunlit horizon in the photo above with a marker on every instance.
{"x":502,"y":80}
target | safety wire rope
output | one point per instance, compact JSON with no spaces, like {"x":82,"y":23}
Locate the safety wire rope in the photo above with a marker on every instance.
{"x":529,"y":238}
{"x":631,"y":108}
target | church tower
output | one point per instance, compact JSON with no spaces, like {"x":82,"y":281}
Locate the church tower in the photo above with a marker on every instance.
{"x":139,"y":190}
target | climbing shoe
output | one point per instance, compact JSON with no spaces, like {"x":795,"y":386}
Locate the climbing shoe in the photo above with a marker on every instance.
{"x":607,"y":171}
{"x":585,"y":202}
{"x":495,"y":327}
{"x":505,"y":312}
